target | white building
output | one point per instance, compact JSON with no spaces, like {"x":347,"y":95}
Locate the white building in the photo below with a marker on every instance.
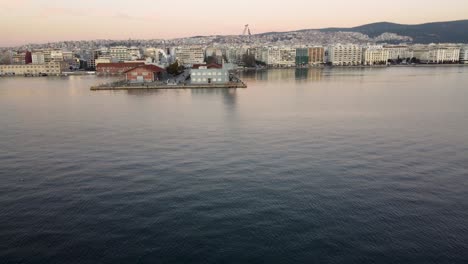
{"x":401,"y":52}
{"x":38,"y":57}
{"x":269,"y":55}
{"x":207,"y":74}
{"x":464,"y":55}
{"x":120,"y":53}
{"x":134,"y":53}
{"x":344,"y":55}
{"x":375,"y":55}
{"x":190,"y":55}
{"x":443,"y":54}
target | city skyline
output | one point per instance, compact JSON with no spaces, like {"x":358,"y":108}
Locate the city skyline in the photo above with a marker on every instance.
{"x":43,"y":21}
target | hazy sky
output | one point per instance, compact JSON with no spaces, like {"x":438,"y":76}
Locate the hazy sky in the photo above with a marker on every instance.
{"x":38,"y":21}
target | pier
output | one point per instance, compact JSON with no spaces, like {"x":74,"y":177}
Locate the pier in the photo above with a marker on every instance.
{"x":129,"y":86}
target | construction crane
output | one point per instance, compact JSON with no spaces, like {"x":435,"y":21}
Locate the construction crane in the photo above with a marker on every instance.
{"x":247,"y":30}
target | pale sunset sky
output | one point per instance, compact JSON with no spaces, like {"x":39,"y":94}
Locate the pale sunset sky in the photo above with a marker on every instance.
{"x":39,"y":21}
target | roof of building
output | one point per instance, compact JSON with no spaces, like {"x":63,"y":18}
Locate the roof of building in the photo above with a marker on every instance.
{"x":120,"y":64}
{"x":151,"y":68}
{"x":209,"y":66}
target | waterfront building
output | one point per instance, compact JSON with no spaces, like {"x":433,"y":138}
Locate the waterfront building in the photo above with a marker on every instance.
{"x":120,"y":53}
{"x":209,"y":73}
{"x":144,"y":74}
{"x":443,"y":54}
{"x":287,"y":57}
{"x":50,"y":68}
{"x":302,"y":56}
{"x":396,"y":52}
{"x":464,"y":54}
{"x":345,"y":55}
{"x":190,"y":55}
{"x":316,"y":55}
{"x":375,"y":55}
{"x":271,"y":56}
{"x":116,"y":68}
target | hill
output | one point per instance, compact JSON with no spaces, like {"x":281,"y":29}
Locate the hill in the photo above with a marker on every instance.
{"x":436,"y":32}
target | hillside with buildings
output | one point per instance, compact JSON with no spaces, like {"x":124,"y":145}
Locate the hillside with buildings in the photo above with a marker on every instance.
{"x":436,"y":32}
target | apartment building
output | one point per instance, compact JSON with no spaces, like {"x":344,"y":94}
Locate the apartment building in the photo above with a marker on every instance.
{"x":190,"y":55}
{"x":401,"y":52}
{"x":316,"y":55}
{"x":287,"y":57}
{"x":464,"y":54}
{"x":375,"y":55}
{"x":120,"y":53}
{"x":345,"y":55}
{"x":302,"y":56}
{"x":443,"y":55}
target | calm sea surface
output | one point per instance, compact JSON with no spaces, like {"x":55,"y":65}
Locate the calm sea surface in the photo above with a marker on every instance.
{"x":303,"y":166}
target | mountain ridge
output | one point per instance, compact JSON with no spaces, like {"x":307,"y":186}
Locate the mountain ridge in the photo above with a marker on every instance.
{"x":431,"y":32}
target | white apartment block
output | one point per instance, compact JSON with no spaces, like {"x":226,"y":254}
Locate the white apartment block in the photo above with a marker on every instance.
{"x":268,"y":55}
{"x":464,"y":55}
{"x":396,"y":52}
{"x":375,"y":55}
{"x":38,"y":57}
{"x":443,"y":55}
{"x":344,"y":55}
{"x":190,"y":55}
{"x":120,"y":53}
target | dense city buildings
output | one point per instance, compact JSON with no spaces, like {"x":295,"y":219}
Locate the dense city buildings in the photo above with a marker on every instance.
{"x":114,"y":56}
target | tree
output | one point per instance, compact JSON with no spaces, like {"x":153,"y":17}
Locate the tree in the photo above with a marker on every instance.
{"x":211,"y":59}
{"x":173,"y":68}
{"x":248,"y":60}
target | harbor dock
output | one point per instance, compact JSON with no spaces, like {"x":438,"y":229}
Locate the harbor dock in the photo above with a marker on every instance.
{"x":122,"y":85}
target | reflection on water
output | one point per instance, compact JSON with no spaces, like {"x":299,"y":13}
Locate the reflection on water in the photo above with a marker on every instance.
{"x":341,"y":165}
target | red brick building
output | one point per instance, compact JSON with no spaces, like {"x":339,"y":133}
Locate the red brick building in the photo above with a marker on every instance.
{"x":207,"y":66}
{"x":116,"y":68}
{"x":144,"y":73}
